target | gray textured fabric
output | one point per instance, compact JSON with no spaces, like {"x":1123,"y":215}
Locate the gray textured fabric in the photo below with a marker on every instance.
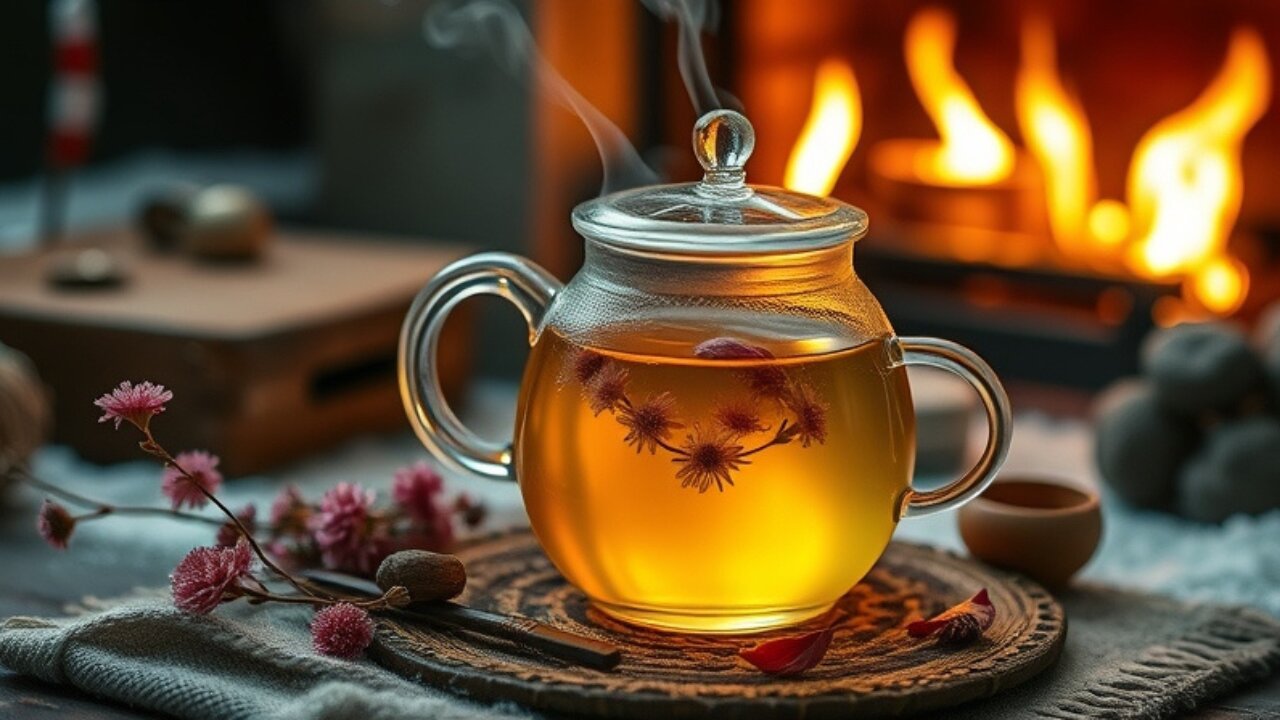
{"x":1127,"y":656}
{"x":1131,"y":655}
{"x":240,"y":663}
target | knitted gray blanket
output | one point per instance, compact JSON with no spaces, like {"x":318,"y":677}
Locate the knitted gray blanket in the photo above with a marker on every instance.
{"x":1127,"y":656}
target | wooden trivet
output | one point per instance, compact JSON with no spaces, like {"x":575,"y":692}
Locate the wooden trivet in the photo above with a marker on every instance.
{"x":872,"y":668}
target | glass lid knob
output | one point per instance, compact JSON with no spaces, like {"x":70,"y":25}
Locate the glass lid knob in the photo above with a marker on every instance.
{"x":723,"y":141}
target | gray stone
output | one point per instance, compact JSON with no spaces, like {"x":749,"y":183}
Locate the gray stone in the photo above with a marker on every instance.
{"x":1139,"y":446}
{"x":1237,"y":471}
{"x":1201,"y":368}
{"x":1267,"y":339}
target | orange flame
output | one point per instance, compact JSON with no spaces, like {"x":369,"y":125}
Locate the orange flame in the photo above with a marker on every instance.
{"x":1185,"y":181}
{"x":973,"y":150}
{"x":1057,"y":133}
{"x":830,"y":133}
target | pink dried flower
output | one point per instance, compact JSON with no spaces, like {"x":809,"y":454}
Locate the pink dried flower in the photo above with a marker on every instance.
{"x":290,"y":513}
{"x":134,"y":403}
{"x":342,"y":631}
{"x":650,"y":422}
{"x":210,"y":575}
{"x":708,"y":458}
{"x":609,"y":390}
{"x":229,"y":534}
{"x":203,"y":469}
{"x":739,"y":419}
{"x":417,"y":489}
{"x":343,"y":529}
{"x":586,"y":365}
{"x":55,"y":524}
{"x":811,"y":416}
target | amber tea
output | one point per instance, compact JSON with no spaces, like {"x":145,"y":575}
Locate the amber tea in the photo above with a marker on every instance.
{"x":714,"y":484}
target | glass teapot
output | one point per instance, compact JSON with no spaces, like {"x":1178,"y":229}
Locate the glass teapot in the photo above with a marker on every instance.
{"x":714,"y":431}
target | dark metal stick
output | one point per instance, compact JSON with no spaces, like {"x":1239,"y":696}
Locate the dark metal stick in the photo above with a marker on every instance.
{"x":521,"y":631}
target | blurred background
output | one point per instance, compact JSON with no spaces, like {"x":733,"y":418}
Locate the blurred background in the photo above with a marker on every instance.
{"x":1048,"y":182}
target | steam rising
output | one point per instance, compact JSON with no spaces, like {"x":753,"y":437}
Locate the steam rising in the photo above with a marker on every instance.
{"x":496,"y":27}
{"x":693,"y":16}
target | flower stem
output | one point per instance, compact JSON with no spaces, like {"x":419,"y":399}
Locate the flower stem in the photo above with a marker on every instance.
{"x":103,"y":509}
{"x":378,"y":603}
{"x":779,"y":438}
{"x":154,"y":448}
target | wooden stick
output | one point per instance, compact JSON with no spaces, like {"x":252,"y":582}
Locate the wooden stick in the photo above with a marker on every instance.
{"x":524,"y":632}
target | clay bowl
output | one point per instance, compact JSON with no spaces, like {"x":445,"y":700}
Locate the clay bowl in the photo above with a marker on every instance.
{"x":1043,"y":528}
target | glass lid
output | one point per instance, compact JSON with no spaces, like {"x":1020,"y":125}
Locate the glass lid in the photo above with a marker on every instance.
{"x":721,"y":214}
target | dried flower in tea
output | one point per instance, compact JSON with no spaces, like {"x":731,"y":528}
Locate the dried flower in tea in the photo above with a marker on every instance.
{"x":739,"y":418}
{"x":586,"y":365}
{"x":811,"y":415}
{"x":649,"y":422}
{"x":706,"y":458}
{"x":609,"y":390}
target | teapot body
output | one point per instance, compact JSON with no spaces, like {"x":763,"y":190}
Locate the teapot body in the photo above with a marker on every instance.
{"x":714,"y":447}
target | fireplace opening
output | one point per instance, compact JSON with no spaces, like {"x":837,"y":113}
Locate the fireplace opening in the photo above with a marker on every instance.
{"x":1046,"y":182}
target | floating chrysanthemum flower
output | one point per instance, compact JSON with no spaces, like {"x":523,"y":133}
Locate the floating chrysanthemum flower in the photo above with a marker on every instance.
{"x":343,"y":529}
{"x":768,"y":382}
{"x":609,"y":390}
{"x":708,"y":458}
{"x":586,"y":365}
{"x":182,"y":490}
{"x":229,"y":534}
{"x":650,"y":422}
{"x":136,"y":404}
{"x":342,"y":631}
{"x":811,"y":416}
{"x":55,"y":524}
{"x":739,"y":418}
{"x":208,"y":576}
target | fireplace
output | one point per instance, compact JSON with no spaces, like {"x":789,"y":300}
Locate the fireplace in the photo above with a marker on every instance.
{"x":1047,"y":182}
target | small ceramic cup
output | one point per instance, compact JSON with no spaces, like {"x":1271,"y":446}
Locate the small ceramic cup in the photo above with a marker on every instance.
{"x":1044,"y":528}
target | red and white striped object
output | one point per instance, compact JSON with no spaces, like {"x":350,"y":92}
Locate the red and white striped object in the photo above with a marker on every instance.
{"x":74,"y":94}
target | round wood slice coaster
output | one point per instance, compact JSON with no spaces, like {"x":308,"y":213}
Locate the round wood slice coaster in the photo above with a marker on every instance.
{"x":872,"y":668}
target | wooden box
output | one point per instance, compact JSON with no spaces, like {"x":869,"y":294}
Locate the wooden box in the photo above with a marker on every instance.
{"x":267,"y":361}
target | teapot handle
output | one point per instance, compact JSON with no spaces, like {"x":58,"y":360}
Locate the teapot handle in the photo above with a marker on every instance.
{"x":529,"y":287}
{"x":960,"y":360}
